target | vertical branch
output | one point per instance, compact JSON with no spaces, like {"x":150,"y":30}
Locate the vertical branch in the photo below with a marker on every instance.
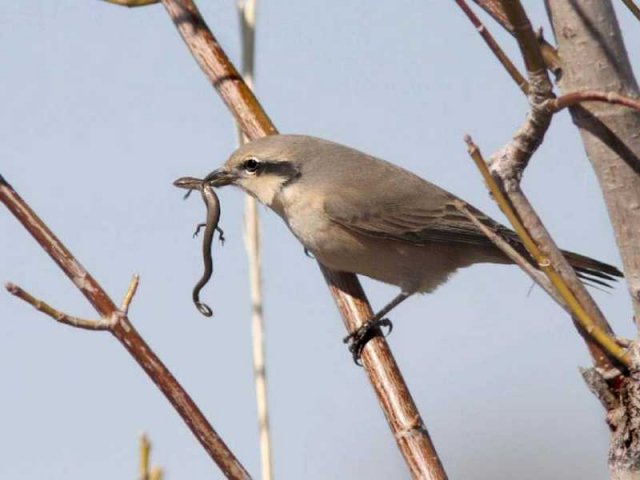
{"x":588,"y":34}
{"x":247,"y":14}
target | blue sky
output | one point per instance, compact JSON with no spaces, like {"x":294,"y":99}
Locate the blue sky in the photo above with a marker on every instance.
{"x":103,"y":107}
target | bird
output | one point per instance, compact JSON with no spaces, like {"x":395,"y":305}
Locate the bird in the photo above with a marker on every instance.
{"x":360,"y":214}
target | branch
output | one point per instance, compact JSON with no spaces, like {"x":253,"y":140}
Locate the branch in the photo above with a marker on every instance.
{"x":508,"y":250}
{"x":549,"y":53}
{"x":575,"y":98}
{"x":393,"y":394}
{"x":58,"y":316}
{"x":117,"y":323}
{"x":132,"y":3}
{"x":495,"y":48}
{"x":633,"y":8}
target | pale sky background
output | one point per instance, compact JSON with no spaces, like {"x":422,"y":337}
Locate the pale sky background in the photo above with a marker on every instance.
{"x":103,"y":107}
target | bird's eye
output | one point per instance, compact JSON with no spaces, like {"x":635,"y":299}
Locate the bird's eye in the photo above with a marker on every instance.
{"x":251,"y":165}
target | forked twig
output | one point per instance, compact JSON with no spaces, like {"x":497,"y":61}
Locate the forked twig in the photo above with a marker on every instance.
{"x":118,"y":324}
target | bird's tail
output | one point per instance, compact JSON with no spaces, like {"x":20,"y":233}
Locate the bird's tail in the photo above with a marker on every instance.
{"x":593,"y":271}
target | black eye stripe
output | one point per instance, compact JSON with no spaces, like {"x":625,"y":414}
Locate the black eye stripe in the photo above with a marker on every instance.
{"x":284,"y":169}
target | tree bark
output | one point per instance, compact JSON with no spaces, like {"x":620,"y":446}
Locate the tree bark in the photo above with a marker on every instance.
{"x":593,"y":56}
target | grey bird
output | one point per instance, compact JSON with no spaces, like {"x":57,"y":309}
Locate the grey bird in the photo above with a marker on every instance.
{"x":357,"y":213}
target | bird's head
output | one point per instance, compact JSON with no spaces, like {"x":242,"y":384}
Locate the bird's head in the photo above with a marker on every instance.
{"x":262,"y":168}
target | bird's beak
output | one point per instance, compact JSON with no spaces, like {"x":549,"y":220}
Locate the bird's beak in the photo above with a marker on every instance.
{"x":220,"y":178}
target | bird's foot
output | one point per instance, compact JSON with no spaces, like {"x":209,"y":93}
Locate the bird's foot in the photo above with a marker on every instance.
{"x":361,"y":336}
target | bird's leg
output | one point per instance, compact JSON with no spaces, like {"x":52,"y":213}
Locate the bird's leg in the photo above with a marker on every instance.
{"x":371,"y":328}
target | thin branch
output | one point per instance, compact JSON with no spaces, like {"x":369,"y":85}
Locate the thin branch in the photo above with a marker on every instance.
{"x":494,"y":47}
{"x":506,"y":248}
{"x":633,"y":8}
{"x":393,"y":394}
{"x":132,"y":3}
{"x":144,"y":455}
{"x":57,"y":315}
{"x":247,"y":17}
{"x":549,"y":53}
{"x":575,"y":98}
{"x":602,"y":337}
{"x":523,"y":31}
{"x":131,"y":291}
{"x":125,"y":332}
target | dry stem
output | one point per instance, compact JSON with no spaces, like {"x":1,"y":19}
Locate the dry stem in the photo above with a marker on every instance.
{"x":494,"y":47}
{"x":247,"y":16}
{"x":549,"y":53}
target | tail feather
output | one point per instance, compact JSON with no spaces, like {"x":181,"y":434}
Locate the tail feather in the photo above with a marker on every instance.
{"x":593,"y":270}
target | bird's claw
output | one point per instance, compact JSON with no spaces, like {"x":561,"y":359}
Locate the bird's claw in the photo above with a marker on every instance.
{"x":361,"y":336}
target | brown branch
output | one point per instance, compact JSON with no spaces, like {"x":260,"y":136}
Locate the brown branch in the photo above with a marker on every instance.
{"x":527,"y":41}
{"x":393,"y":394}
{"x":549,"y":53}
{"x":123,"y":330}
{"x":132,"y":3}
{"x":58,"y":316}
{"x":494,"y":47}
{"x":575,"y":98}
{"x":633,"y":8}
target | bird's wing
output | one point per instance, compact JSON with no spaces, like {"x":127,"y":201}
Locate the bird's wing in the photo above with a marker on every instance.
{"x":432,"y":217}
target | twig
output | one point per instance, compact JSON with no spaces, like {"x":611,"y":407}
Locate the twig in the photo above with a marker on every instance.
{"x":145,"y":454}
{"x":132,"y":3}
{"x":495,"y":48}
{"x":144,"y":470}
{"x":549,"y":53}
{"x":513,"y":254}
{"x":247,"y":17}
{"x":131,"y":291}
{"x":633,"y":8}
{"x":574,"y":98}
{"x":393,"y":394}
{"x":125,"y":332}
{"x":57,"y":315}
